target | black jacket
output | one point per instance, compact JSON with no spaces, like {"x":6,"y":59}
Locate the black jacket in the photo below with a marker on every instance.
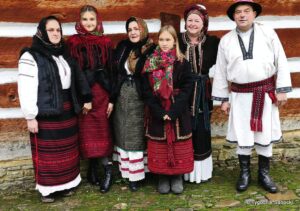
{"x":121,"y":54}
{"x":49,"y":100}
{"x":179,"y":111}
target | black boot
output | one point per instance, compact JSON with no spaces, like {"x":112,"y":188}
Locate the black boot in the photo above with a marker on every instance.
{"x":106,"y":183}
{"x":245,"y":175}
{"x":133,"y":186}
{"x":264,"y":178}
{"x":92,"y":175}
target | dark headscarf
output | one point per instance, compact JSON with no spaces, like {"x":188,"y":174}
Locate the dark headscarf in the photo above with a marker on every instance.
{"x":135,"y":50}
{"x":41,"y":40}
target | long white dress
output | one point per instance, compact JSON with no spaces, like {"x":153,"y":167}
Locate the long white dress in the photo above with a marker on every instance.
{"x":268,"y":59}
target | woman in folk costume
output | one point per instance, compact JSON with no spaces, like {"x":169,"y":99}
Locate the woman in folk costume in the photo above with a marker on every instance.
{"x":47,"y":84}
{"x":167,"y":87}
{"x":201,"y":51}
{"x":128,"y":117}
{"x":93,"y":51}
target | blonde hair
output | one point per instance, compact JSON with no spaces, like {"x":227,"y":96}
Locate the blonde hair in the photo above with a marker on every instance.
{"x":172,"y":31}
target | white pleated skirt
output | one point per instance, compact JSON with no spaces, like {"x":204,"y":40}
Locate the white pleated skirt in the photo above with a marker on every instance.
{"x":47,"y":190}
{"x":202,"y":171}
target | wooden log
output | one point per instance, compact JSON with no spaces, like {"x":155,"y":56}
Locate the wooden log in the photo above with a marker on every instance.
{"x":10,"y":47}
{"x":13,"y":125}
{"x":9,"y":97}
{"x":287,"y":112}
{"x":295,"y":80}
{"x":110,"y":10}
{"x":170,"y":19}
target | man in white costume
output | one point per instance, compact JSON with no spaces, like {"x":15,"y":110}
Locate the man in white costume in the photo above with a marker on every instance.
{"x":252,"y":68}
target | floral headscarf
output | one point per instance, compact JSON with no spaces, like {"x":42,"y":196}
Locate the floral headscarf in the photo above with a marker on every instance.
{"x":160,"y":64}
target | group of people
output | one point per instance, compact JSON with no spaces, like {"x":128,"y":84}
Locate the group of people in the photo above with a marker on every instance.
{"x":148,"y":106}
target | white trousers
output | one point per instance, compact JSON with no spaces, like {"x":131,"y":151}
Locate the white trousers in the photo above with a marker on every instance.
{"x":264,"y":151}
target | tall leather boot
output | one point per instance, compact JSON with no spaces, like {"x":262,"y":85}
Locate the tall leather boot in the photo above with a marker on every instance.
{"x":264,"y":178}
{"x":245,"y":175}
{"x":107,"y":181}
{"x":133,"y":186}
{"x":92,"y":173}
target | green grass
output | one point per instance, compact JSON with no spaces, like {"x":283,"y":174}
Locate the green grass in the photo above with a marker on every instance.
{"x":200,"y":196}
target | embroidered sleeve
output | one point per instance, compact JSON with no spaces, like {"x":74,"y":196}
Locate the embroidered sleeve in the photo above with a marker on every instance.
{"x":284,"y":89}
{"x":222,"y":99}
{"x":28,"y":85}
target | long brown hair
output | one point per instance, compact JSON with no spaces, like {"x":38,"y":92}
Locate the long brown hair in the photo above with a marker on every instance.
{"x":172,"y":31}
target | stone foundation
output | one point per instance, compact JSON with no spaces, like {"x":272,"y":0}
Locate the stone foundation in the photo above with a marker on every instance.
{"x":17,"y":172}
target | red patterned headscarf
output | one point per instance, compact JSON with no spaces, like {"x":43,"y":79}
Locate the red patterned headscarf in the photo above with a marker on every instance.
{"x":97,"y":47}
{"x":98,"y":30}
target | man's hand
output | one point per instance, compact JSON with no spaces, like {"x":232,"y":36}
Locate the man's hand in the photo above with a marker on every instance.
{"x":225,"y":107}
{"x":281,"y":99}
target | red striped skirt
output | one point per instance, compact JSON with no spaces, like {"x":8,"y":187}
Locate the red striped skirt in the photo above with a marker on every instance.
{"x":94,"y":128}
{"x":55,"y":149}
{"x":158,"y":157}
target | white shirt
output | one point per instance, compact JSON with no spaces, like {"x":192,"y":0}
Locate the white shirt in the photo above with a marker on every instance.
{"x":268,"y":59}
{"x":28,"y":82}
{"x":126,"y":65}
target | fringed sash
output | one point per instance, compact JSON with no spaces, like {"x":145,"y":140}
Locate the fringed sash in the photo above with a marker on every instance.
{"x":258,"y":88}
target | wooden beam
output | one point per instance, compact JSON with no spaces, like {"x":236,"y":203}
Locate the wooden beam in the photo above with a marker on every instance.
{"x":13,"y":125}
{"x":10,"y":47}
{"x":22,"y":11}
{"x":295,"y":79}
{"x":288,"y":111}
{"x":9,"y":97}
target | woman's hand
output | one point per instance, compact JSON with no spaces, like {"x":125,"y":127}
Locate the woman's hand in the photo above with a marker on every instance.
{"x":86,"y":108}
{"x":32,"y":125}
{"x":166,"y":117}
{"x":225,"y":107}
{"x":281,"y":99}
{"x":110,"y":108}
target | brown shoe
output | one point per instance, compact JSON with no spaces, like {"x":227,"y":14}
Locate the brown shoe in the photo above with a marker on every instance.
{"x":68,"y":193}
{"x":47,"y":199}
